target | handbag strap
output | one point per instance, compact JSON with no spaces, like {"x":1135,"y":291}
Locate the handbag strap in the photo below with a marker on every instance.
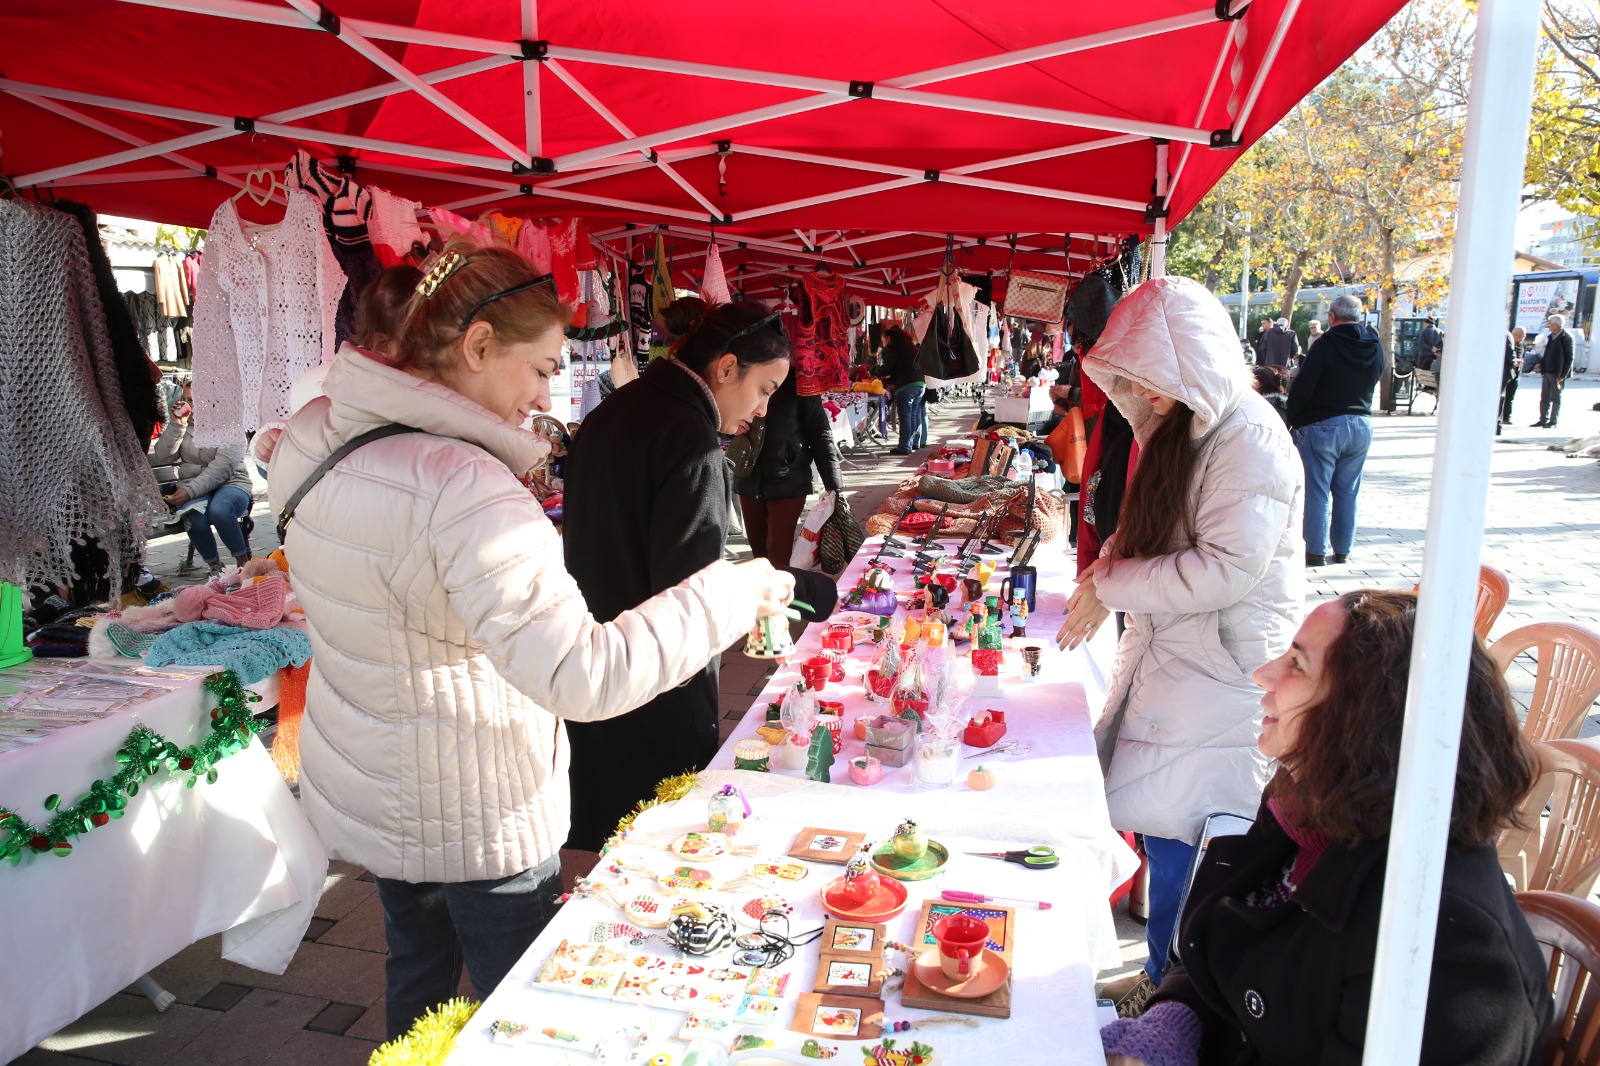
{"x":286,"y":515}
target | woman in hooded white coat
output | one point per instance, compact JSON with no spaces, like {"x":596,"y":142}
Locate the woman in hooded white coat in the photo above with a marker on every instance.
{"x":1207,"y":563}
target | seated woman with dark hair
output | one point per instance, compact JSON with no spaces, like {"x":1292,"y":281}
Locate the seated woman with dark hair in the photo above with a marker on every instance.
{"x":1281,"y":926}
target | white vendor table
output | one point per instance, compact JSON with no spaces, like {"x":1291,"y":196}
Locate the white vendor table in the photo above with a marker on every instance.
{"x":235,"y":857}
{"x":1053,"y":1018}
{"x":1053,"y":794}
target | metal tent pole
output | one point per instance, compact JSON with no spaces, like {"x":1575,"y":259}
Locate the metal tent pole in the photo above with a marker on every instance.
{"x":1158,"y":240}
{"x":1491,"y":185}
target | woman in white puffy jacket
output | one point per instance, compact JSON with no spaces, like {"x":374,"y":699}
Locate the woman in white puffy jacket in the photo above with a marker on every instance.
{"x":449,"y":641}
{"x":1208,"y":564}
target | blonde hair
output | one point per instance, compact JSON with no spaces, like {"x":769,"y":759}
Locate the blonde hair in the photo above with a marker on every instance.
{"x":431,"y":330}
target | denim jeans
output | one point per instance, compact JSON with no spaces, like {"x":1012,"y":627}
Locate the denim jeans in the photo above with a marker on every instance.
{"x":228,"y":504}
{"x":432,"y":928}
{"x":912,"y":411}
{"x":1549,"y":398}
{"x":1169,"y":869}
{"x":1333,"y":451}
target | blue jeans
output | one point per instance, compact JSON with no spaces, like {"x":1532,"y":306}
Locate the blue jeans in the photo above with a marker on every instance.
{"x":1333,"y":451}
{"x":912,"y":411}
{"x":228,"y":504}
{"x":432,"y":928}
{"x":1169,"y":869}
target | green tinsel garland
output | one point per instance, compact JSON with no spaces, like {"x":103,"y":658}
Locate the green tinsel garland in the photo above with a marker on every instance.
{"x":143,"y":755}
{"x":431,"y":1038}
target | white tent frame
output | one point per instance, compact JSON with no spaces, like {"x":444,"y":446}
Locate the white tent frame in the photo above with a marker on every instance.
{"x":610,"y":159}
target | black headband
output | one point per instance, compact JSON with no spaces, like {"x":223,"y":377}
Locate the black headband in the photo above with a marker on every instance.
{"x":543,"y":279}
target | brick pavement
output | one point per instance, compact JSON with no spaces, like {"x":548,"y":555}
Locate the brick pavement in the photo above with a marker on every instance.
{"x":327,"y":1009}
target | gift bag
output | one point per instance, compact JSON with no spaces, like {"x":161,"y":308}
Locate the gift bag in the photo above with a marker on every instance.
{"x":1068,"y":443}
{"x":841,"y":537}
{"x":1036,"y":296}
{"x":804,"y":554}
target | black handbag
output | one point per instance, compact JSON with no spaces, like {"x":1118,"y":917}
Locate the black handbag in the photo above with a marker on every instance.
{"x":840,"y":537}
{"x":744,"y":451}
{"x":946,"y":351}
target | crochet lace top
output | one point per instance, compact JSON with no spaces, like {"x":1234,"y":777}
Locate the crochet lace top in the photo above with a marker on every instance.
{"x":264,"y":315}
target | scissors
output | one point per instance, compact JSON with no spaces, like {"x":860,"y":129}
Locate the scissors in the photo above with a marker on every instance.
{"x":1038,"y":857}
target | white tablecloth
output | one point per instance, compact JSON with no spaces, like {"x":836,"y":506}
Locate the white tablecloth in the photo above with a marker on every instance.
{"x":236,"y":857}
{"x":1053,"y":1018}
{"x":1057,"y":785}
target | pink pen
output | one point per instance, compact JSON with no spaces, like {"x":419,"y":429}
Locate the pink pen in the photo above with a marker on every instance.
{"x":956,"y":896}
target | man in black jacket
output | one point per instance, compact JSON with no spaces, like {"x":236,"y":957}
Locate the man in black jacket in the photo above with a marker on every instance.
{"x":773,"y":495}
{"x":1330,"y":415}
{"x":1555,"y":365}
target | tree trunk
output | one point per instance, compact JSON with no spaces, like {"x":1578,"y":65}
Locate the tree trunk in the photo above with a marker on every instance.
{"x":1386,"y":388}
{"x":1291,"y":286}
{"x":1213,"y":279}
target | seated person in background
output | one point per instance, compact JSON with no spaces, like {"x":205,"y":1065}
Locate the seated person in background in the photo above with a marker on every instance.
{"x":216,"y":475}
{"x":1281,"y":926}
{"x":1272,"y":382}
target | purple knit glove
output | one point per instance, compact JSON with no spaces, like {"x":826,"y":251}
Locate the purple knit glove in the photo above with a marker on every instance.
{"x":1168,"y":1034}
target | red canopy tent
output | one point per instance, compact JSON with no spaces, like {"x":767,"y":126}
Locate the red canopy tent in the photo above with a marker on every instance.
{"x":859,"y":133}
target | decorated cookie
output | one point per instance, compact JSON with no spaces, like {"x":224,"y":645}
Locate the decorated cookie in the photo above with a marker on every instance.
{"x":689,"y":880}
{"x":700,"y":847}
{"x":649,"y":909}
{"x":751,"y":911}
{"x":786,"y":872}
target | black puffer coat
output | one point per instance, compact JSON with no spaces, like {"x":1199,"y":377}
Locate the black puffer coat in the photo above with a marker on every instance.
{"x":797,"y":434}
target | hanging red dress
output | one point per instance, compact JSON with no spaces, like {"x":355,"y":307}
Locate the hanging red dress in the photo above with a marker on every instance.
{"x":822,"y":349}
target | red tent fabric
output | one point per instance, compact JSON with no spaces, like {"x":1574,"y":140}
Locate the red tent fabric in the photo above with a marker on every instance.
{"x":958,"y":117}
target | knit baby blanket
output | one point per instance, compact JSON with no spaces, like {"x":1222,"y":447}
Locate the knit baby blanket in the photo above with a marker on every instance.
{"x":253,"y":654}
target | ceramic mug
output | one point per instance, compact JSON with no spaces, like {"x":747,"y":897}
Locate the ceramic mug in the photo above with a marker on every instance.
{"x":961,"y":939}
{"x":817,"y":671}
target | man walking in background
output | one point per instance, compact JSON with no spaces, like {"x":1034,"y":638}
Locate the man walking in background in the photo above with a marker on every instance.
{"x":1513,"y":371}
{"x":1430,"y":345}
{"x":1278,"y":346}
{"x":1330,"y":416}
{"x":1555,"y":365}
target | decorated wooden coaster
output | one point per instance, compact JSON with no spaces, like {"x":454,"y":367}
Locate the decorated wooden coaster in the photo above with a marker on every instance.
{"x":850,"y":975}
{"x":1002,"y":934}
{"x":649,"y":910}
{"x":843,"y":937}
{"x":826,"y":845}
{"x":785,"y":873}
{"x":839,"y":1017}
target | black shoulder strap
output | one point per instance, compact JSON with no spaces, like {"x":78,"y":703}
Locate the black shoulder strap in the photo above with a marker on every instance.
{"x":287,"y":514}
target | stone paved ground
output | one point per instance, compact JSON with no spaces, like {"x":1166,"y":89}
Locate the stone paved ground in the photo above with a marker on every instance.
{"x":327,"y":1009}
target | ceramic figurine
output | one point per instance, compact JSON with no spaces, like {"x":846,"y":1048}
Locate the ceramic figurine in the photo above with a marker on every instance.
{"x":770,"y":639}
{"x":820,"y":756}
{"x":727,"y":810}
{"x":860,"y":880}
{"x":874,"y":593}
{"x":1019,"y":614}
{"x":977,"y":618}
{"x":909,"y":842}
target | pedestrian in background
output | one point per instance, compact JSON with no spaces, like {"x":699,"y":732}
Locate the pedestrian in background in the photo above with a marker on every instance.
{"x":1330,"y":412}
{"x":901,"y":373}
{"x":1510,"y":374}
{"x":1278,"y":346}
{"x":1430,"y":345}
{"x":1555,"y":364}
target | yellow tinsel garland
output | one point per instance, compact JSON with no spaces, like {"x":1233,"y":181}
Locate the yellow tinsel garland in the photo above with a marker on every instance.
{"x":672,"y":788}
{"x":431,"y":1039}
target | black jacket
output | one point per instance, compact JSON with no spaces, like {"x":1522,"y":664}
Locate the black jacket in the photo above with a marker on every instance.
{"x":1557,"y":358}
{"x":1277,"y":347}
{"x":1290,"y":985}
{"x":1338,"y":375}
{"x":899,"y":373}
{"x":797,"y":433}
{"x":646,"y":505}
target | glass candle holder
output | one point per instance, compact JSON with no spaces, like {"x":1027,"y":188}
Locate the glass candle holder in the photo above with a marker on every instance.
{"x":936,"y":761}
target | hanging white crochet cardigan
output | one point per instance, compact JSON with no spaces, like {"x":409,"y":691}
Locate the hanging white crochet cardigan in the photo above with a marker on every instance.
{"x":263,"y":315}
{"x":70,"y":466}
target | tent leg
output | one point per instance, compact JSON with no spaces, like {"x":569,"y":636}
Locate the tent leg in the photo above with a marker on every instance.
{"x":1491,"y":184}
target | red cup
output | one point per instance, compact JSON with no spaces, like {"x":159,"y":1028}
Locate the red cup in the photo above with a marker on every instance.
{"x":817,"y":671}
{"x":839,"y":637}
{"x":961,"y":939}
{"x":835,"y":725}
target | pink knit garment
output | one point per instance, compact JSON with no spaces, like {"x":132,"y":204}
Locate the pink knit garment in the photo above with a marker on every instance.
{"x":257,"y":606}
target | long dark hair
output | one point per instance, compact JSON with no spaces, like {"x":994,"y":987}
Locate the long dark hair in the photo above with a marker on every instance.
{"x":746,"y":328}
{"x":1158,"y":513}
{"x":1339,"y":775}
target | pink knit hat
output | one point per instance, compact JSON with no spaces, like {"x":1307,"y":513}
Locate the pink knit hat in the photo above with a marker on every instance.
{"x":256,"y":606}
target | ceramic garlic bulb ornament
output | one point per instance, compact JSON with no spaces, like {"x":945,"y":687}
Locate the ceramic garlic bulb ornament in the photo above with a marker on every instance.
{"x":860,"y":880}
{"x":909,"y":842}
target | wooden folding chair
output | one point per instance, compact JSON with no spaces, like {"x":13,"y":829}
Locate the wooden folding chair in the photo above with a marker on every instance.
{"x":1561,"y":852}
{"x":1568,"y":929}
{"x":1567,"y":680}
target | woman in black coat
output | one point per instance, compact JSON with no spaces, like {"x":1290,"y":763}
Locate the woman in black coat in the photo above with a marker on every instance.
{"x":797,"y":433}
{"x":1279,"y":935}
{"x":646,"y":505}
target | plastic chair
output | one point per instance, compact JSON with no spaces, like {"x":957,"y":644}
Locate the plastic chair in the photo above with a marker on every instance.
{"x":1494,"y":589}
{"x":1568,"y":929}
{"x":1568,"y":678}
{"x":1559,"y":852}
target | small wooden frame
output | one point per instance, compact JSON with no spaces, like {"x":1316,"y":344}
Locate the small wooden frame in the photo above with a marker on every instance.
{"x":839,"y":1017}
{"x":826,"y":845}
{"x":996,"y":1004}
{"x":850,"y":975}
{"x":853,"y":939}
